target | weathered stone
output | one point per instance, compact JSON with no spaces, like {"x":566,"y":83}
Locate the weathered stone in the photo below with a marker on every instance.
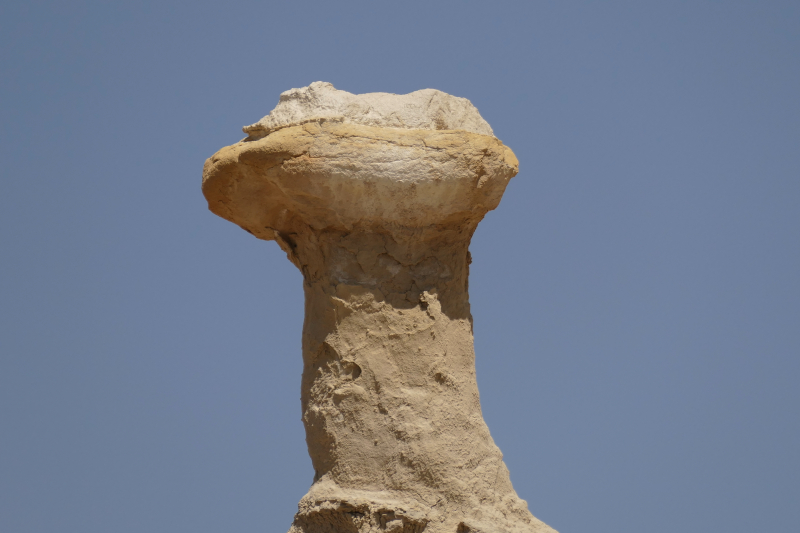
{"x":378,"y":216}
{"x":427,"y":109}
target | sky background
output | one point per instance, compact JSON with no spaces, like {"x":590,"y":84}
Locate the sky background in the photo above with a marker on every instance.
{"x":636,"y":295}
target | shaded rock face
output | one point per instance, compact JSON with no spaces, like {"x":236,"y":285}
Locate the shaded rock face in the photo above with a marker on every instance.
{"x":378,"y":218}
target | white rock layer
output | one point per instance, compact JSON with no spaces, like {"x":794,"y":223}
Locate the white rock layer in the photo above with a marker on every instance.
{"x":427,"y":109}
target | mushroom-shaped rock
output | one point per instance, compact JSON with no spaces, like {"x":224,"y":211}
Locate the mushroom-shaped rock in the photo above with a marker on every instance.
{"x":375,"y":198}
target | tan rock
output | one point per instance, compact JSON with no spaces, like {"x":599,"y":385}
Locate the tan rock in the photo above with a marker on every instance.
{"x":378,"y":219}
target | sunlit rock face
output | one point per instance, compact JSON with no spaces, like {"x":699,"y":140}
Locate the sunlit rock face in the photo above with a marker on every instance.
{"x":375,"y":198}
{"x":427,"y":109}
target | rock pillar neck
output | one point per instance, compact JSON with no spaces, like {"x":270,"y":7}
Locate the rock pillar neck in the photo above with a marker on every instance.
{"x":389,"y":397}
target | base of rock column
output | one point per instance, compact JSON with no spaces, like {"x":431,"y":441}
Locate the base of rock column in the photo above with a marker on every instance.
{"x":329,"y":509}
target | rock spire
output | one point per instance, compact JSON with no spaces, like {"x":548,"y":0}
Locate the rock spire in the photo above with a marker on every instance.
{"x":375,"y":198}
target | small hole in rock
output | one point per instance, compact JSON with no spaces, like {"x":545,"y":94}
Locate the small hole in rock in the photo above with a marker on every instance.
{"x":350,"y":370}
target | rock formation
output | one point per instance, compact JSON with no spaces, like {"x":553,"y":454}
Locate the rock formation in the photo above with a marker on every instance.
{"x":375,"y":198}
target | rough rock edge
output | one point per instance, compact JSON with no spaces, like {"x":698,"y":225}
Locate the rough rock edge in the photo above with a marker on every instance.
{"x":426,"y":109}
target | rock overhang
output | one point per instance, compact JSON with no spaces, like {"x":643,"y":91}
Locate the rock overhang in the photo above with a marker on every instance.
{"x":330,"y":174}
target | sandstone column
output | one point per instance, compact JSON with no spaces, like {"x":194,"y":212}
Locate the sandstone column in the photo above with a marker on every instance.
{"x":374,"y":198}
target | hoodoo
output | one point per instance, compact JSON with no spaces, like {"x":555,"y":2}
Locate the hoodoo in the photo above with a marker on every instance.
{"x":375,"y":198}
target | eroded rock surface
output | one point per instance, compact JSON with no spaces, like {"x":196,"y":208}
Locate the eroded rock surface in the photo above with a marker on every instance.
{"x":378,"y":218}
{"x":427,"y":109}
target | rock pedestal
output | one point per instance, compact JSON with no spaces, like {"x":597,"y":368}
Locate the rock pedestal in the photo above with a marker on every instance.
{"x":375,"y":198}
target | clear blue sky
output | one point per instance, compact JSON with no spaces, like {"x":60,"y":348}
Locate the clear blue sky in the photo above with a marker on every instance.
{"x":636,"y":295}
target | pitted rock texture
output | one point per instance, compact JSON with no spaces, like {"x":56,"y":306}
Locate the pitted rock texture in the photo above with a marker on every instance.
{"x":427,"y":109}
{"x":379,"y":220}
